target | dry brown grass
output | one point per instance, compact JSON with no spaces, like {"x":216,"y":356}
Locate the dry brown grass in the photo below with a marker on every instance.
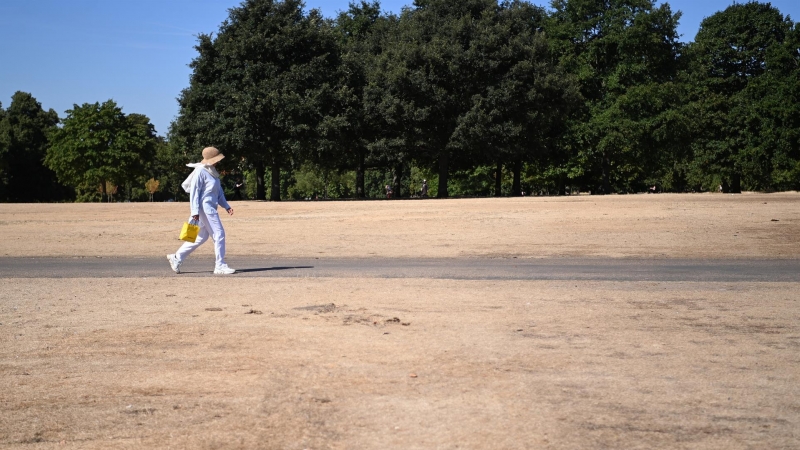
{"x":695,"y":226}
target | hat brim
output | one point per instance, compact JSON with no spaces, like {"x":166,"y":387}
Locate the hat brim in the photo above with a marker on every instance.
{"x":213,"y":160}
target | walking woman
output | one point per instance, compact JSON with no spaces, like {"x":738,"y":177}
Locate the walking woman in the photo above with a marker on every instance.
{"x":205,"y":194}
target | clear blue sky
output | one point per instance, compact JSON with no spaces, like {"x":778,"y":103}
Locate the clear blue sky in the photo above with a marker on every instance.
{"x":136,"y":52}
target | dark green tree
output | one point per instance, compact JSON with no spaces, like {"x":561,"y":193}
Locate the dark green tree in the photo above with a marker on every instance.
{"x":768,"y":111}
{"x":425,"y":81}
{"x":23,"y":133}
{"x":744,"y":65}
{"x":259,"y":89}
{"x":621,"y":50}
{"x":97,"y":144}
{"x":349,"y":135}
{"x":169,"y":166}
{"x":142,"y":134}
{"x":525,"y":99}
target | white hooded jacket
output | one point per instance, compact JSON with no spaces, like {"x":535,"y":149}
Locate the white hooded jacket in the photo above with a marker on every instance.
{"x":204,"y":189}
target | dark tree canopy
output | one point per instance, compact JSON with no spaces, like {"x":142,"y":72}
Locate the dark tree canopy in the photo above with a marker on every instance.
{"x":596,"y":93}
{"x":478,"y":97}
{"x":461,"y":83}
{"x":744,"y":73}
{"x":350,"y":135}
{"x":24,"y":128}
{"x":622,"y":52}
{"x":525,"y":99}
{"x":260,"y":88}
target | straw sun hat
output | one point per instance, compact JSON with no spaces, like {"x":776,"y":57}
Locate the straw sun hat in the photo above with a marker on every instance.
{"x":211,"y":156}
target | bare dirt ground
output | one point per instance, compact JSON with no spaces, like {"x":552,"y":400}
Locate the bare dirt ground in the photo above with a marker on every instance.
{"x":366,"y":363}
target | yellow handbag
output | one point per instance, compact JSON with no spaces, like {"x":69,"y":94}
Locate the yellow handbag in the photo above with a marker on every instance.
{"x":189,"y":231}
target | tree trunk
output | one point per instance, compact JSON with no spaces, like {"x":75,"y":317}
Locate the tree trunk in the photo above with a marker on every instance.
{"x":516,"y":188}
{"x":562,"y":185}
{"x":444,"y":163}
{"x":397,"y":180}
{"x":736,"y":183}
{"x":103,"y":193}
{"x":498,"y":180}
{"x":606,"y":180}
{"x":360,"y":191}
{"x":261,"y":191}
{"x":275,"y":191}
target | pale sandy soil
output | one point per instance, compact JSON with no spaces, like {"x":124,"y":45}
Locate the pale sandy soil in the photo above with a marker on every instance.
{"x":361,"y":363}
{"x":694,"y":226}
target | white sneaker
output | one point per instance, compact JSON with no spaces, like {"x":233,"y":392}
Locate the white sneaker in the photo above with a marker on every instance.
{"x":223,"y":270}
{"x":174,"y":263}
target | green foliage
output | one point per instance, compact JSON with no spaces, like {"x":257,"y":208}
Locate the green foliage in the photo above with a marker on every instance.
{"x":526,"y":99}
{"x":479,"y":97}
{"x":462,"y":83}
{"x":260,"y":87}
{"x":348,"y":136}
{"x":744,"y":72}
{"x":24,"y":128}
{"x":99,"y":144}
{"x":621,"y":51}
{"x":318,"y":183}
{"x":169,"y":166}
{"x":477,"y":182}
{"x":424,"y":81}
{"x":594,"y":94}
{"x":375,"y":181}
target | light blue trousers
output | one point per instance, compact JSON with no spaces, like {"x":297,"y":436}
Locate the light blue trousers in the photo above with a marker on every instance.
{"x":210,"y":225}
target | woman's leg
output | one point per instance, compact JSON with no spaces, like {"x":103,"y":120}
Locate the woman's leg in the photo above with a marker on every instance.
{"x":218,"y":235}
{"x":188,"y":247}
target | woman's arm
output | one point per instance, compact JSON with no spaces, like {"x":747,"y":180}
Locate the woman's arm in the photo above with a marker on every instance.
{"x":221,"y":199}
{"x":196,"y":194}
{"x":222,"y":202}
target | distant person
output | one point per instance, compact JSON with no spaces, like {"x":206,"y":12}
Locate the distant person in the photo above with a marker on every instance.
{"x":388,"y":191}
{"x":205,"y":195}
{"x":424,"y":191}
{"x":237,"y":190}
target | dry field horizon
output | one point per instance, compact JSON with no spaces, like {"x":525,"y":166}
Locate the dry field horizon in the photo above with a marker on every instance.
{"x":404,"y":363}
{"x":711,"y":226}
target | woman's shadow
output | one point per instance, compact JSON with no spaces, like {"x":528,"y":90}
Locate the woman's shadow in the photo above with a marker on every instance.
{"x":265,"y":269}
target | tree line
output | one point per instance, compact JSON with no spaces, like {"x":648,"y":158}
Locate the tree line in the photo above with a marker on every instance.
{"x":479,"y":97}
